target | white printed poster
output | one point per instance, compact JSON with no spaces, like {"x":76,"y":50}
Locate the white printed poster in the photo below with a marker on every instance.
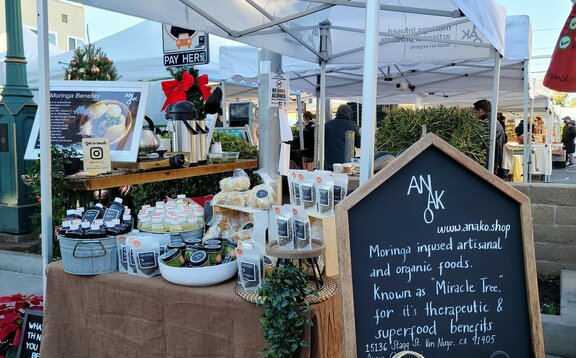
{"x":279,"y":90}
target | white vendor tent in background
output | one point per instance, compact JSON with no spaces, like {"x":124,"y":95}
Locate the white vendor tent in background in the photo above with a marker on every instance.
{"x":439,"y":82}
{"x":30,"y":41}
{"x":138,"y":56}
{"x":472,"y":80}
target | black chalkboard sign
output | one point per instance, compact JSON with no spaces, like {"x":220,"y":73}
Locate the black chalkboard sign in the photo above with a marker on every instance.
{"x":437,"y":258}
{"x":31,"y":335}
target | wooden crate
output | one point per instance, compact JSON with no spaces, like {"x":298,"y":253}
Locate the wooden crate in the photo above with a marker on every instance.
{"x":328,"y":235}
{"x":257,"y":217}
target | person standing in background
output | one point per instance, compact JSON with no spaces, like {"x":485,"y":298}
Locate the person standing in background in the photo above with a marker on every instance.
{"x":500,"y":117}
{"x":483,"y":110}
{"x":568,"y":135}
{"x":335,"y":136}
{"x":309,"y":134}
{"x":503,"y":173}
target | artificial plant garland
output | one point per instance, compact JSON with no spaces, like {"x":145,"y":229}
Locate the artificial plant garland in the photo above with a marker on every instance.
{"x":285,"y":311}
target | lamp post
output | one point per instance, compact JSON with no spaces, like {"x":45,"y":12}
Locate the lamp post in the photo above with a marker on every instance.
{"x":17,"y":112}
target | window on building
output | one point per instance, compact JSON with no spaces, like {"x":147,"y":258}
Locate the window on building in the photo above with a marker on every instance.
{"x":52,"y":36}
{"x":74,"y":42}
{"x":64,"y":18}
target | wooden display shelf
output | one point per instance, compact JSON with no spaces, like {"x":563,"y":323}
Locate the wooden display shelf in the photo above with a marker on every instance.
{"x":328,"y":235}
{"x":258,"y":217}
{"x":103,"y":182}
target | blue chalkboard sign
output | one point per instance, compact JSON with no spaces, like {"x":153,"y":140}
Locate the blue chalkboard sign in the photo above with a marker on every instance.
{"x":437,"y":257}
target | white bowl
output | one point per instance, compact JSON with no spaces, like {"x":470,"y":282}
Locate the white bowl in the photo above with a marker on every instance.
{"x":198,"y":276}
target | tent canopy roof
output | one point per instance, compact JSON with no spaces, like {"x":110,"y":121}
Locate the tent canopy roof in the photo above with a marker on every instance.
{"x":434,"y":81}
{"x":409,"y":29}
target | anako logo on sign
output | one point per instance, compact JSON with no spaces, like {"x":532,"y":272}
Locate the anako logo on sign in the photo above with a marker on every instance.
{"x":184,"y":46}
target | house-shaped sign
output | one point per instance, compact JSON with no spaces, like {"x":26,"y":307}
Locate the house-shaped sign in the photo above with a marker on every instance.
{"x":437,"y":257}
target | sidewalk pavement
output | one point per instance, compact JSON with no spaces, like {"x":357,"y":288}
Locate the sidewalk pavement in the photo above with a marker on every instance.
{"x":563,"y":175}
{"x":17,"y":282}
{"x":20,"y":273}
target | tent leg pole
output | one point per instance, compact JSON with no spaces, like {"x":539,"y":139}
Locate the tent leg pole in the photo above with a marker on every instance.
{"x":45,"y":141}
{"x":527,"y":128}
{"x":300,"y":124}
{"x":321,"y":116}
{"x":369,"y":90}
{"x":495,"y":92}
{"x":226,"y":120}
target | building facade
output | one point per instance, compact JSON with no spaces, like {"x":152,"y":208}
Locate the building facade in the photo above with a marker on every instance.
{"x":66,"y":25}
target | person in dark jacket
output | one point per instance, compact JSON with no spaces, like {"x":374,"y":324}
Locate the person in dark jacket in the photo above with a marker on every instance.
{"x":483,"y":110}
{"x":309,"y":133}
{"x":500,"y":117}
{"x":335,"y":136}
{"x":568,"y":135}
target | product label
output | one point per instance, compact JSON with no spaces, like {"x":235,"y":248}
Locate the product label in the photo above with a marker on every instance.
{"x":306,"y":193}
{"x":132,"y":262}
{"x":323,"y":196}
{"x":124,"y":256}
{"x":261,"y":194}
{"x":147,"y":259}
{"x":300,"y":230}
{"x":90,"y":215}
{"x":337,"y":193}
{"x":111,"y":214}
{"x":248,"y":271}
{"x":282,"y":228}
{"x":296,"y":190}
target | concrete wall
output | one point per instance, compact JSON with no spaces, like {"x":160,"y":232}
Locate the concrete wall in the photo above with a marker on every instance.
{"x":554,"y":218}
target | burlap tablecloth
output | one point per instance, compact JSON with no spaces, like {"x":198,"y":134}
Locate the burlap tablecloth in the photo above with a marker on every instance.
{"x":117,"y":315}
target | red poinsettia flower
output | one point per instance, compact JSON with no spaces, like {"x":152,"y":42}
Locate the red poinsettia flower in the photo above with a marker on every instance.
{"x":7,"y":330}
{"x":16,"y":339}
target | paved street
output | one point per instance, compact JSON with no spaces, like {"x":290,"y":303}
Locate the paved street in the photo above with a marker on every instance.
{"x":16,"y":282}
{"x":564,"y":175}
{"x":20,"y":273}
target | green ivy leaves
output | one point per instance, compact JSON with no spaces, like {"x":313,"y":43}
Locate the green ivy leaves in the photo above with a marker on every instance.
{"x":285,"y":311}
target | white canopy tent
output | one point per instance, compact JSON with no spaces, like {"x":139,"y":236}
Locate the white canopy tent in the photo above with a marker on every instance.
{"x":30,"y":41}
{"x":395,"y":31}
{"x":135,"y":60}
{"x":292,"y":27}
{"x":137,"y":54}
{"x":447,"y":82}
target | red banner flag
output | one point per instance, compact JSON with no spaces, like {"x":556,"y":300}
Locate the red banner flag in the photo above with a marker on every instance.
{"x":561,"y":75}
